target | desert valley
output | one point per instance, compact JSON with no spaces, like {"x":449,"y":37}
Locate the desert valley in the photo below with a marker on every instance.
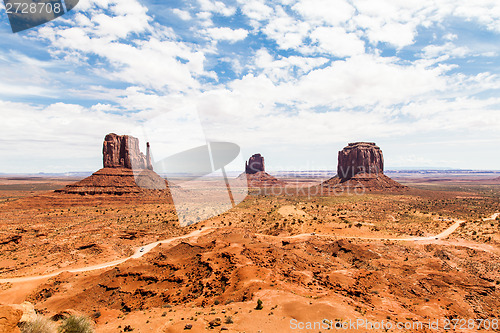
{"x":299,"y":254}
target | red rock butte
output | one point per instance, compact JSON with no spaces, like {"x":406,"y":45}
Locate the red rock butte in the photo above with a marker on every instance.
{"x":255,"y":164}
{"x":361,"y":166}
{"x":256,"y":175}
{"x":126,"y":171}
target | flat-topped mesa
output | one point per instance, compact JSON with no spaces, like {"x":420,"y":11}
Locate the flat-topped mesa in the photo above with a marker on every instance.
{"x":360,"y":158}
{"x":361,"y":168}
{"x":255,"y":164}
{"x":122,"y":151}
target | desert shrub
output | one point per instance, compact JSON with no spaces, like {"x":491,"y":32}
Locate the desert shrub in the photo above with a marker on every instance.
{"x":259,"y":305}
{"x":76,"y":324}
{"x":39,"y":325}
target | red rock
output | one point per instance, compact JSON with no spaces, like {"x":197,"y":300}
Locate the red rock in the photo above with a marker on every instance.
{"x":261,"y":179}
{"x":361,"y":168}
{"x":9,"y":318}
{"x":122,"y":151}
{"x":256,"y":175}
{"x":360,"y":157}
{"x":255,"y":164}
{"x":126,"y":171}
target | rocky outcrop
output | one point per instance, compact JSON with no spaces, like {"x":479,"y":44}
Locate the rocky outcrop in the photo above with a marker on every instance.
{"x":256,"y":175}
{"x":255,"y":164}
{"x":9,"y":318}
{"x":261,"y":179}
{"x":358,"y":158}
{"x":361,"y":169}
{"x":126,"y":171}
{"x":122,"y":151}
{"x":117,"y":181}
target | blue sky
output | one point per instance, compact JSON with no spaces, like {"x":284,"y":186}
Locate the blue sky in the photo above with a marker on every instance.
{"x":295,"y":80}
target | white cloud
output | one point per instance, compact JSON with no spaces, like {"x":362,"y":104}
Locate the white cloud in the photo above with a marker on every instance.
{"x":256,"y":10}
{"x":286,"y":68}
{"x":332,"y":12}
{"x":367,"y":80}
{"x":338,"y":42}
{"x":59,"y":137}
{"x":156,"y":60}
{"x":448,"y":50}
{"x":485,"y":12}
{"x":216,"y":7}
{"x":226,"y":34}
{"x":286,"y":31}
{"x":183,"y":15}
{"x":291,"y":92}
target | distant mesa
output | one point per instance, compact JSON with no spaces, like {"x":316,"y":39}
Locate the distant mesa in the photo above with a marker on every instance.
{"x":126,"y":171}
{"x":256,"y":175}
{"x":361,"y":165}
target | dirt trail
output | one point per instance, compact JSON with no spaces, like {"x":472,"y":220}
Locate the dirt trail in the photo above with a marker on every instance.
{"x":140,"y":251}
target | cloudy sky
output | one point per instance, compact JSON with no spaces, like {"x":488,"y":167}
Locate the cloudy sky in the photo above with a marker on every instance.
{"x":295,"y":80}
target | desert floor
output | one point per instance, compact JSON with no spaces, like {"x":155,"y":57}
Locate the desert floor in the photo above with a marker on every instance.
{"x":429,"y":253}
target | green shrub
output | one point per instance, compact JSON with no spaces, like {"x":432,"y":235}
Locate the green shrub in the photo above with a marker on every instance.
{"x":39,"y":325}
{"x":76,"y":324}
{"x":259,"y":305}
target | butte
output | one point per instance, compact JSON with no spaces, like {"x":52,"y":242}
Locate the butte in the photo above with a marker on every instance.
{"x":361,"y":166}
{"x":125,"y":171}
{"x":256,"y":175}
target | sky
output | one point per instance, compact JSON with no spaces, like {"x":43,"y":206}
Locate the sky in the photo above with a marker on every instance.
{"x":294,"y":80}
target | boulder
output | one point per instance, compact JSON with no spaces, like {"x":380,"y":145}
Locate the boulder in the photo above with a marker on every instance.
{"x":9,"y":318}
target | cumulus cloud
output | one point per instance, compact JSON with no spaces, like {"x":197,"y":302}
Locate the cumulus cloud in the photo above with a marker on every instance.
{"x":332,"y":12}
{"x":298,"y":73}
{"x":184,"y":15}
{"x":151,"y":56}
{"x":218,"y":7}
{"x":226,"y":34}
{"x":337,"y":41}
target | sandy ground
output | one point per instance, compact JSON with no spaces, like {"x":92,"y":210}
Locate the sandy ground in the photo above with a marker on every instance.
{"x":375,"y":257}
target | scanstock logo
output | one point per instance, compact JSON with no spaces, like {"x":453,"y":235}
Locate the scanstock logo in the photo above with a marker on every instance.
{"x":26,"y":14}
{"x":206,"y":175}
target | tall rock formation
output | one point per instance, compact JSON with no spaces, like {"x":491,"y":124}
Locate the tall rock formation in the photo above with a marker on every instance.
{"x":255,"y":164}
{"x":361,"y":167}
{"x":256,"y":175}
{"x":358,"y":158}
{"x":126,"y":171}
{"x":122,"y":151}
